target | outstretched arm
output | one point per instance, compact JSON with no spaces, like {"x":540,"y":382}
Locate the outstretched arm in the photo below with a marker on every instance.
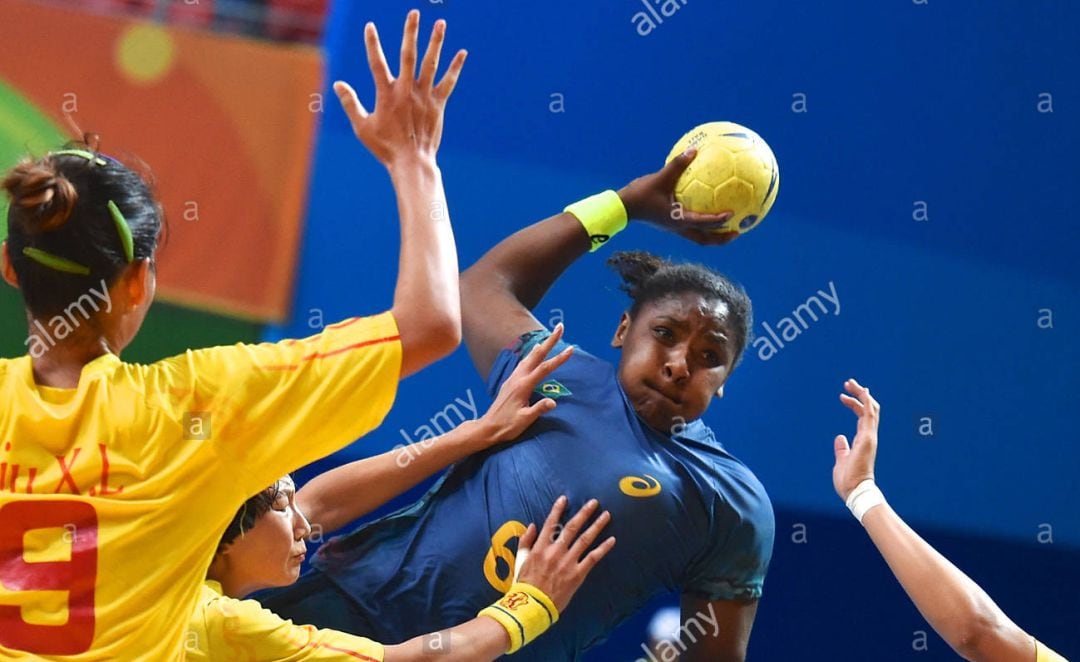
{"x":339,"y":496}
{"x":404,"y":133}
{"x":954,"y":605}
{"x":557,"y":564}
{"x":498,"y":291}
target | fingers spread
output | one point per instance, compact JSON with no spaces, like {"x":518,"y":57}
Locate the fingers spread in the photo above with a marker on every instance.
{"x":528,"y":538}
{"x":431,"y":57}
{"x":549,"y":366}
{"x":551,"y":524}
{"x":380,"y":71}
{"x":350,"y":103}
{"x":557,"y":333}
{"x":586,"y":539}
{"x":449,"y":81}
{"x":596,"y":555}
{"x":852,"y":404}
{"x":408,"y":46}
{"x":855,"y":388}
{"x":869,"y":404}
{"x":542,"y":349}
{"x":570,"y":531}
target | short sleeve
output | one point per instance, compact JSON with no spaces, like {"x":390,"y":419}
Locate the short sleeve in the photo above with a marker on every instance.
{"x":737,"y":555}
{"x":1044,"y":654}
{"x":271,"y":408}
{"x":510,"y":356}
{"x":244,"y":630}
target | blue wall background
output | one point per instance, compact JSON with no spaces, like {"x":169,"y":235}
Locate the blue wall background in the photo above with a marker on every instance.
{"x":906,"y":103}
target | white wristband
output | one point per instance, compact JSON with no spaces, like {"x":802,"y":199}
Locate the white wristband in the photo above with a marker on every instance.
{"x":522,"y":556}
{"x":865,"y":496}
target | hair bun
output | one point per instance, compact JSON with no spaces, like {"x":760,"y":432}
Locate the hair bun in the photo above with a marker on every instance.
{"x":47,"y":196}
{"x":635,"y":268}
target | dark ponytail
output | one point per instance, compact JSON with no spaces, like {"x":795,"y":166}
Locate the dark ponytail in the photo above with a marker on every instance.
{"x":647,"y":277}
{"x":59,"y":206}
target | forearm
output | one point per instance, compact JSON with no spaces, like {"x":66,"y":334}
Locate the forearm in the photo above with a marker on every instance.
{"x":426,"y":299}
{"x":955,"y":606}
{"x":527,"y":263}
{"x":479,"y":640}
{"x":498,"y":291}
{"x":335,"y":498}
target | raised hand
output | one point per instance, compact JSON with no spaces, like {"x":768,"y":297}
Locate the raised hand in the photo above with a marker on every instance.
{"x":511,"y":412}
{"x":651,"y":198}
{"x":855,"y":463}
{"x":407,"y":120}
{"x":555,"y":560}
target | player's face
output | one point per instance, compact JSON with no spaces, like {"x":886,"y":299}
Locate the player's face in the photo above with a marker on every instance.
{"x":676,"y":354}
{"x":270,"y":553}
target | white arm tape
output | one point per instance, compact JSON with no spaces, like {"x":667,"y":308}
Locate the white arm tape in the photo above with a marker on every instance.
{"x":865,"y":496}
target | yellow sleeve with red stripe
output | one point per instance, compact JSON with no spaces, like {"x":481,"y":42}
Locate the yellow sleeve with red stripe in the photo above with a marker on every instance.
{"x":1044,"y":654}
{"x":271,"y":408}
{"x":227,"y":629}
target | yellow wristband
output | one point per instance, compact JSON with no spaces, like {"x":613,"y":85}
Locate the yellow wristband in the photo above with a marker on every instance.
{"x":526,"y":613}
{"x":603,"y":216}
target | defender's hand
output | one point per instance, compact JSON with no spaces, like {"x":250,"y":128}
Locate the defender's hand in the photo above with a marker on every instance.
{"x":554,"y":562}
{"x":856,"y":463}
{"x":511,"y":412}
{"x":408,"y":118}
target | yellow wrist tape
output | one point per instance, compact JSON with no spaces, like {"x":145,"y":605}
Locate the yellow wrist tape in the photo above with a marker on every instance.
{"x":603,"y":216}
{"x":526,"y":613}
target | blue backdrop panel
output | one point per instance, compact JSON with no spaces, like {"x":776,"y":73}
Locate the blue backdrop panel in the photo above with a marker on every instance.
{"x":963,"y":323}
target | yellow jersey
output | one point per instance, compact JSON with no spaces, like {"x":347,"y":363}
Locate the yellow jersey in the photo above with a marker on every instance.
{"x":231,"y":630}
{"x":1044,"y":654}
{"x":113,"y":495}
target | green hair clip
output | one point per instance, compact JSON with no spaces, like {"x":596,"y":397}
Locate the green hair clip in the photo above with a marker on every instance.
{"x":124,"y":231}
{"x":122,"y":228}
{"x":56,"y":262}
{"x":89,"y":156}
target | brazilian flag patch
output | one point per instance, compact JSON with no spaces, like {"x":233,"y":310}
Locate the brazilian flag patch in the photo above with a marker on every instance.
{"x":553,"y":389}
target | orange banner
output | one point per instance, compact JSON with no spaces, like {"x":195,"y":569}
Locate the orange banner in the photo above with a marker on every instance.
{"x":226,"y":126}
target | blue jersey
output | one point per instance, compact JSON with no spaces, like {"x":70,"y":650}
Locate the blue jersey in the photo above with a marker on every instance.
{"x":688,"y":516}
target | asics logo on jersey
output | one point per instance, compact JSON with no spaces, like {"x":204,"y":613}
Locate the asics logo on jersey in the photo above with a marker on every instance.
{"x":640,"y":486}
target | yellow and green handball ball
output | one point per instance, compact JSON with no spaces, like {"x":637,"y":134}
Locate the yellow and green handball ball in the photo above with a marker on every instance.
{"x":735,"y":170}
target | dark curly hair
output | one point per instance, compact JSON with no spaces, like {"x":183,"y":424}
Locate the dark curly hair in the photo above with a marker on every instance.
{"x":647,"y":277}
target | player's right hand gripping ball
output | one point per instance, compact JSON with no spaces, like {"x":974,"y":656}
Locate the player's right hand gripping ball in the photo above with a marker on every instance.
{"x":734,"y":170}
